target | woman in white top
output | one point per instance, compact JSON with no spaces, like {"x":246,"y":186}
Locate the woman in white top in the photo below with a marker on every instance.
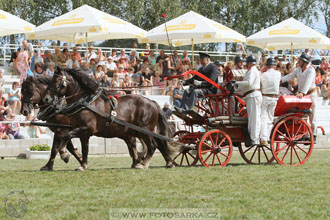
{"x":99,"y":73}
{"x":51,"y":69}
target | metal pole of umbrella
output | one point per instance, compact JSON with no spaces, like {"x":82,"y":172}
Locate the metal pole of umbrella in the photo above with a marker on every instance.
{"x":192,"y":51}
{"x":292,"y":53}
{"x":87,"y":48}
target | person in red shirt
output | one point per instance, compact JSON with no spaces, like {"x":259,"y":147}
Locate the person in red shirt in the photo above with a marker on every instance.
{"x":324,"y":64}
{"x":238,"y":65}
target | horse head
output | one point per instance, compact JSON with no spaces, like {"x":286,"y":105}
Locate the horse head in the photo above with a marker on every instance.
{"x":58,"y":87}
{"x":31,"y":96}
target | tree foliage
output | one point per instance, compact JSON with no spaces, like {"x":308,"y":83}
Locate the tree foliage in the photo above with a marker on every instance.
{"x":244,"y":16}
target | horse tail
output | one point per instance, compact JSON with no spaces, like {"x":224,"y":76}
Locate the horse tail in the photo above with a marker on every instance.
{"x":163,"y":129}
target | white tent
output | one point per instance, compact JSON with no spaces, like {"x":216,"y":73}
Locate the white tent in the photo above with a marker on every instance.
{"x":10,"y":24}
{"x":86,"y":24}
{"x":288,"y":34}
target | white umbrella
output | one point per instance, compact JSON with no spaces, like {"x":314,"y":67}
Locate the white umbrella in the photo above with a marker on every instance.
{"x":192,"y":28}
{"x":288,"y":34}
{"x":10,"y":24}
{"x":86,"y":24}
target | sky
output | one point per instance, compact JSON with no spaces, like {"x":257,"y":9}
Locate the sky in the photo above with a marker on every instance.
{"x":319,"y":24}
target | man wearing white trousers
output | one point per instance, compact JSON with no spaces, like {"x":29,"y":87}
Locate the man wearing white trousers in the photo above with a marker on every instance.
{"x":250,"y":86}
{"x":305,"y":74}
{"x":270,"y":86}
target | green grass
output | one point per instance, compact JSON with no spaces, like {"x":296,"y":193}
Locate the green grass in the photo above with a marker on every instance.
{"x":238,"y":191}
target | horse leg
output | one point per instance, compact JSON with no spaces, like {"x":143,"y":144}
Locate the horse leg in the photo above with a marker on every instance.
{"x":150,"y":143}
{"x":131,"y":144}
{"x":55,"y":148}
{"x":161,"y":146}
{"x":74,"y":151}
{"x":84,"y":149}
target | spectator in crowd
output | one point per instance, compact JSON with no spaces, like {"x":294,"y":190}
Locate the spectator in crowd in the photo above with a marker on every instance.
{"x":122,"y":55}
{"x":185,"y":65}
{"x":167,"y":111}
{"x":115,"y":82}
{"x":288,"y":68}
{"x":76,"y":54}
{"x":114,"y":55}
{"x":3,"y":132}
{"x":64,"y":56}
{"x":99,"y":73}
{"x":48,"y":57}
{"x":325,"y":92}
{"x":1,"y":78}
{"x":39,"y":72}
{"x":167,"y":67}
{"x":85,"y":69}
{"x":14,"y":97}
{"x":325,"y":64}
{"x":23,"y":64}
{"x":111,"y":67}
{"x":276,"y":59}
{"x":58,"y":57}
{"x":157,"y":80}
{"x":152,"y":58}
{"x":198,"y":63}
{"x":50,"y":70}
{"x":145,"y":64}
{"x":177,"y":94}
{"x":185,"y":56}
{"x":73,"y":63}
{"x":29,"y":48}
{"x":158,"y":67}
{"x":92,"y":65}
{"x":132,"y":58}
{"x":37,"y":58}
{"x":100,"y":58}
{"x":127,"y":83}
{"x":220,"y":70}
{"x":91,"y":53}
{"x":318,"y":77}
{"x":4,"y":107}
{"x":284,"y":59}
{"x":135,"y":77}
{"x":147,"y":78}
{"x":122,"y":62}
{"x":13,"y":129}
{"x":13,"y":62}
{"x":175,"y":58}
{"x":104,"y":82}
{"x":161,"y":56}
{"x":121,"y":72}
{"x":147,"y":50}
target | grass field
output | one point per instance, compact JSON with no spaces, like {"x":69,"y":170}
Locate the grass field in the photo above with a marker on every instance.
{"x":238,"y":191}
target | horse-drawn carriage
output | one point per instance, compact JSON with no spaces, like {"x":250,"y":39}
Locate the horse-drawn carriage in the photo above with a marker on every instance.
{"x":221,"y":121}
{"x":222,"y":116}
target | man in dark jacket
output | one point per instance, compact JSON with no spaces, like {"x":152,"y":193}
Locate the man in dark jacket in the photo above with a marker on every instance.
{"x":199,"y":86}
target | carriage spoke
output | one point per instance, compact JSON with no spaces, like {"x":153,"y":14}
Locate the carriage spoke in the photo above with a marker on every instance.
{"x":281,"y":149}
{"x":181,"y":162}
{"x":177,"y":156}
{"x":213,"y":159}
{"x":192,"y":155}
{"x":297,"y":155}
{"x":221,"y":142}
{"x":283,"y":135}
{"x":224,"y":155}
{"x":265,"y":154}
{"x":248,"y":149}
{"x":291,"y":156}
{"x":208,"y":157}
{"x":187,"y":159}
{"x":287,"y":130}
{"x":206,"y":151}
{"x":301,"y":149}
{"x":285,"y":153}
{"x":298,"y":129}
{"x":253,"y":154}
{"x":205,"y":144}
{"x":211,"y":139}
{"x":218,"y":159}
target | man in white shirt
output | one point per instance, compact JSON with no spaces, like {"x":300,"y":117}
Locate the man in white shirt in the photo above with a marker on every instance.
{"x":305,"y":74}
{"x":250,"y":86}
{"x":111,"y":66}
{"x":73,"y":63}
{"x":270,"y":86}
{"x":91,"y":54}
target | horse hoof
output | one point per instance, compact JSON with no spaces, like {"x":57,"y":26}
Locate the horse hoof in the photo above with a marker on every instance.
{"x":139,"y":166}
{"x":46,"y":168}
{"x":80,"y":169}
{"x":65,"y":157}
{"x":170,"y":165}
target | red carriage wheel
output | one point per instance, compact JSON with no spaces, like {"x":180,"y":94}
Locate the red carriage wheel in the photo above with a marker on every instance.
{"x":215,"y":148}
{"x":186,"y":157}
{"x":292,"y":141}
{"x":258,"y":154}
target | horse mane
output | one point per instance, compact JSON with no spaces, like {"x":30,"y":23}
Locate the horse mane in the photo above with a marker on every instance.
{"x":85,"y":82}
{"x":38,"y":81}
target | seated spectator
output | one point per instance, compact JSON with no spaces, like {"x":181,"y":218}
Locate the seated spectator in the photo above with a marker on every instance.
{"x":325,"y":64}
{"x":39,"y":72}
{"x":111,"y":67}
{"x":135,"y":77}
{"x":184,"y":66}
{"x":73,"y":63}
{"x":122,"y":62}
{"x":76,"y":54}
{"x":86,"y":70}
{"x":114,"y":55}
{"x":122,"y":55}
{"x":158,"y":67}
{"x":91,"y":53}
{"x":167,"y":111}
{"x":58,"y":57}
{"x":14,"y":97}
{"x":3,"y":132}
{"x":318,"y":77}
{"x":115,"y":82}
{"x":152,"y":58}
{"x":145,"y":64}
{"x":48,"y":58}
{"x":161,"y":56}
{"x":4,"y":107}
{"x":324,"y":91}
{"x":127,"y":83}
{"x":198,"y":63}
{"x":284,"y":60}
{"x":157,"y":80}
{"x":104,"y":82}
{"x":50,"y":70}
{"x":185,"y":56}
{"x":121,"y":73}
{"x":167,"y":67}
{"x":64,"y":56}
{"x":12,"y":62}
{"x":132,"y":59}
{"x":37,"y":57}
{"x":99,"y":73}
{"x":13,"y":128}
{"x":176,"y":59}
{"x":288,"y":68}
{"x":147,"y":78}
{"x":177,"y":94}
{"x":100,"y":58}
{"x":147,"y":50}
{"x":92,"y":65}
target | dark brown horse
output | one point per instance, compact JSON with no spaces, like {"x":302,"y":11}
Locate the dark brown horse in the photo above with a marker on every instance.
{"x":133,"y":109}
{"x":33,"y":90}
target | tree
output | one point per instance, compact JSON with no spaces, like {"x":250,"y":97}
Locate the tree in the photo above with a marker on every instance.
{"x":325,"y":11}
